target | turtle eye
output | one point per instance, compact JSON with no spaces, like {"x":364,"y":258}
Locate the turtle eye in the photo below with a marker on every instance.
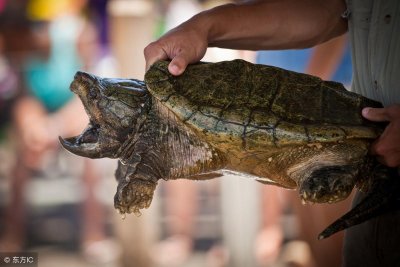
{"x":92,"y":93}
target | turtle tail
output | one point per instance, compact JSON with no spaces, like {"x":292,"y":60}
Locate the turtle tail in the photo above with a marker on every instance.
{"x":383,"y":197}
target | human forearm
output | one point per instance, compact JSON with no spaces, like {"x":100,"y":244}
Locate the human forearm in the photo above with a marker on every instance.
{"x":272,"y":24}
{"x":69,"y":120}
{"x":280,"y":24}
{"x":326,"y":58}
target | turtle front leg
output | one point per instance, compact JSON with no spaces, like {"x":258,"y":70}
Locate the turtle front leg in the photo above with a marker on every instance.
{"x":135,"y":191}
{"x":328,"y":184}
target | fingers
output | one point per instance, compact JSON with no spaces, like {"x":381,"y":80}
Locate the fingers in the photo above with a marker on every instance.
{"x":387,"y":147}
{"x":386,"y":154}
{"x":375,"y":114}
{"x":389,"y":113}
{"x":181,"y":45}
{"x":178,"y":64}
{"x":153,"y":53}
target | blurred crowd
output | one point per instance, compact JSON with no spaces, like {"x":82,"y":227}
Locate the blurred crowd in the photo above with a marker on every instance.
{"x":59,"y":204}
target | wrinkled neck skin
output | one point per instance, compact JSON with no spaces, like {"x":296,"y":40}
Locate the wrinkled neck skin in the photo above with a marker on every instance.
{"x":161,"y":147}
{"x":168,"y":148}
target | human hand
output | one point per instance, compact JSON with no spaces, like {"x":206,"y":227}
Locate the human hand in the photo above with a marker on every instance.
{"x":387,"y":146}
{"x":38,"y":136}
{"x":184,"y":44}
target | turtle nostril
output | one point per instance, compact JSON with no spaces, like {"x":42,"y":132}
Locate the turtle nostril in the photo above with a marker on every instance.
{"x":84,"y":76}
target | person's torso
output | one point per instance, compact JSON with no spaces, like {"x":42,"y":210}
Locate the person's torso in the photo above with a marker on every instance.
{"x":374,"y":27}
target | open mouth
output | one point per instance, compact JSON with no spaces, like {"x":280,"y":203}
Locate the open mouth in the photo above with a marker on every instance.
{"x":86,"y":144}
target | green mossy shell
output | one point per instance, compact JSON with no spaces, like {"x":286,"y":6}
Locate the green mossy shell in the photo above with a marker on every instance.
{"x":259,"y":104}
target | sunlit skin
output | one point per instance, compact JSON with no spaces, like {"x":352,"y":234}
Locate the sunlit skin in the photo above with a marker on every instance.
{"x":387,"y":146}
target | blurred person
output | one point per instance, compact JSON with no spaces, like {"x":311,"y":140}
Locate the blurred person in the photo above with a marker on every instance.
{"x":98,"y":10}
{"x":15,"y":40}
{"x":270,"y":238}
{"x":48,"y":110}
{"x":8,"y":87}
{"x":329,"y":61}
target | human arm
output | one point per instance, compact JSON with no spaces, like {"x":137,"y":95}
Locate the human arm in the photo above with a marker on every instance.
{"x":387,"y":146}
{"x":326,"y":58}
{"x":270,"y":237}
{"x":68,"y":120}
{"x":253,"y":25}
{"x":38,"y":130}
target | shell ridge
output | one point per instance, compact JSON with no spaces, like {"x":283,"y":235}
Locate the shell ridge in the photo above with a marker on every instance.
{"x":278,"y":88}
{"x":188,"y":98}
{"x":250,"y":84}
{"x":307,"y":134}
{"x":322,"y":101}
{"x":274,"y":138}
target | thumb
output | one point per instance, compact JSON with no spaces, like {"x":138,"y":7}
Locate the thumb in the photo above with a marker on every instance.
{"x":178,"y":64}
{"x":375,"y":114}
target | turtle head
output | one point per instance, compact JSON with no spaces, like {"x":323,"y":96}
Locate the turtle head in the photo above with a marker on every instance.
{"x":114,"y":106}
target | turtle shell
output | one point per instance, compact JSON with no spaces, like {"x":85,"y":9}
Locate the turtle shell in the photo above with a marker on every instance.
{"x":258,"y":105}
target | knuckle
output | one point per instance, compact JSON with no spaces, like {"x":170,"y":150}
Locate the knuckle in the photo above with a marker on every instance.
{"x":148,"y":49}
{"x":152,"y":47}
{"x":380,"y":150}
{"x":394,"y":110}
{"x":392,"y":162}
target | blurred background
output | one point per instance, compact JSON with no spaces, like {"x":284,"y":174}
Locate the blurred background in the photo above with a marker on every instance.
{"x":61,"y":206}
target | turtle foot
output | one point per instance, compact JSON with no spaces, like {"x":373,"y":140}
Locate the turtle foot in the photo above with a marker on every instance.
{"x":328,"y":184}
{"x":133,"y":196}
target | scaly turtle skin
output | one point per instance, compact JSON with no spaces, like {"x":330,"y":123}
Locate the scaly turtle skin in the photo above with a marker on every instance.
{"x":288,"y":129}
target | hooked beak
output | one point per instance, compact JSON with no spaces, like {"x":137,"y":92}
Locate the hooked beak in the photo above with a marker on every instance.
{"x":85,"y":144}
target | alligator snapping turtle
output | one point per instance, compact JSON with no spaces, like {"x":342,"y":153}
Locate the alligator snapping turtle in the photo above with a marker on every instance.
{"x":288,"y":129}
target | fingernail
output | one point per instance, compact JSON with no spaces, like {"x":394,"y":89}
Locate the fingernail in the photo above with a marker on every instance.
{"x":365,"y":111}
{"x":174,"y":69}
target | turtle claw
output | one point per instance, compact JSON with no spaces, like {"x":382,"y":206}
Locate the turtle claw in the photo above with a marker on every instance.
{"x":384,"y":197}
{"x":328,"y":184}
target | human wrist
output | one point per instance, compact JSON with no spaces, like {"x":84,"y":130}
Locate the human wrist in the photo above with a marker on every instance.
{"x":202,"y":25}
{"x":209,"y":24}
